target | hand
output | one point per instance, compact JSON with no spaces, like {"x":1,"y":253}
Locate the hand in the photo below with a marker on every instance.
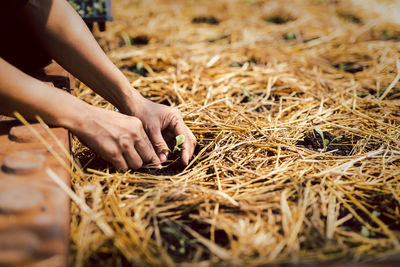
{"x":118,"y":138}
{"x":162,"y":124}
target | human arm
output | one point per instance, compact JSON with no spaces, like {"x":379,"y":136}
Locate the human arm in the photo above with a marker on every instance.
{"x":118,"y":138}
{"x":73,"y":46}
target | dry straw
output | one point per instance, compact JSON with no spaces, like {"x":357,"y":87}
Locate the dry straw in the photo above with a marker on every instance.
{"x":251,"y":90}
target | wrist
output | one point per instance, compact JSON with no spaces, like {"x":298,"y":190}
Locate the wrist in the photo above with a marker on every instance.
{"x":78,"y":116}
{"x":131,"y":101}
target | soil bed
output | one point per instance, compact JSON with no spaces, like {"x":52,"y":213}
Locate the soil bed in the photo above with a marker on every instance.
{"x":252,"y":79}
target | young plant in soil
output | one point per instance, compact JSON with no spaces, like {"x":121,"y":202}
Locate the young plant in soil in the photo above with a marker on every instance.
{"x":326,"y":142}
{"x":321,"y":141}
{"x":180,"y":139}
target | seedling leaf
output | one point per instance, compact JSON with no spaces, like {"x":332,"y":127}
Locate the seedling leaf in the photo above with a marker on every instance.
{"x":376,"y":213}
{"x":180,"y":139}
{"x":290,"y":36}
{"x":336,"y":138}
{"x":139,"y":66}
{"x":125,"y":37}
{"x":326,"y":144}
{"x":319,"y":131}
{"x":364,"y":231}
{"x":247,"y":94}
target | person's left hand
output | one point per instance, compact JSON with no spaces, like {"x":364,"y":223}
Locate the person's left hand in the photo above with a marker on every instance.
{"x":162,"y":123}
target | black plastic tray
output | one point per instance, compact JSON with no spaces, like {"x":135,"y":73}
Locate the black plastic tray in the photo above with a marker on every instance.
{"x":93,"y":10}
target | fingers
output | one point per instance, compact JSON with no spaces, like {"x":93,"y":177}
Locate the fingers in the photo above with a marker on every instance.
{"x":179,"y":127}
{"x":112,"y":154}
{"x":134,"y":148}
{"x":159,"y":144}
{"x":145,"y":149}
{"x":188,"y":146}
{"x":132,"y":158}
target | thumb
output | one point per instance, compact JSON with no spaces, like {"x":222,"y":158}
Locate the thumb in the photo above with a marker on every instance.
{"x":159,"y":144}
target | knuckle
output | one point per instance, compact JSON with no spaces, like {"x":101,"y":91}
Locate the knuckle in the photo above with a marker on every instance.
{"x":175,"y":120}
{"x":124,"y":142}
{"x":152,"y":127}
{"x":159,"y":145}
{"x":136,"y":123}
{"x":113,"y":153}
{"x":176,"y":112}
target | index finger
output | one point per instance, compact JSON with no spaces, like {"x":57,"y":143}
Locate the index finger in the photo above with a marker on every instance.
{"x":190,"y":140}
{"x":146,"y":151}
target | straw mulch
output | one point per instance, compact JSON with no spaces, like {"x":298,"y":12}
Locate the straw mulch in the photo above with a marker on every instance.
{"x":252,"y":88}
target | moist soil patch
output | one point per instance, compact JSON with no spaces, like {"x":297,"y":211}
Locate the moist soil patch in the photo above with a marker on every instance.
{"x":87,"y":159}
{"x":350,"y":67}
{"x":205,"y":19}
{"x":340,"y":146}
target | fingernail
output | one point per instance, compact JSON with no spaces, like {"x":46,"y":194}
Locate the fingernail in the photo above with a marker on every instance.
{"x":163,"y":157}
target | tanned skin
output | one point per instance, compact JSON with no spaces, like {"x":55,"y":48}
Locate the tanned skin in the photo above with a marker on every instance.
{"x":129,"y":139}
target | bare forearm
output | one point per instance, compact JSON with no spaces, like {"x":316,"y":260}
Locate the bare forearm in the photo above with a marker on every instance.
{"x":68,"y":40}
{"x":29,"y":96}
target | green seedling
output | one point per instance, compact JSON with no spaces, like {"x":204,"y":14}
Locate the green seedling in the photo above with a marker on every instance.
{"x":342,"y":66}
{"x":247,"y":94}
{"x":180,"y":139}
{"x":376,"y":213}
{"x":139,"y":67}
{"x":326,"y":143}
{"x":290,"y":36}
{"x":389,"y":34}
{"x":125,"y":37}
{"x":364,"y":230}
{"x":362,"y":94}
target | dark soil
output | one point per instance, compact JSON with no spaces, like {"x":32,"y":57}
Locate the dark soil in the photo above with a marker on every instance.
{"x":136,"y":68}
{"x":278,"y":19}
{"x":206,"y":19}
{"x":379,"y":202}
{"x":173,"y":166}
{"x":182,"y":246}
{"x":88,"y":159}
{"x":140,"y":40}
{"x":341,"y":146}
{"x":252,"y":60}
{"x":350,"y":18}
{"x":220,"y":38}
{"x":350,"y":67}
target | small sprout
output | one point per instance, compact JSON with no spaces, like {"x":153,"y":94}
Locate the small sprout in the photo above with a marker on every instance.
{"x":180,"y":139}
{"x":290,"y":36}
{"x":125,"y":37}
{"x":321,"y":133}
{"x":388,"y":34}
{"x":362,"y":94}
{"x":275,"y":20}
{"x":364,"y":231}
{"x":235,"y":64}
{"x":139,"y":67}
{"x":376,"y":213}
{"x":326,"y":143}
{"x":247,"y":94}
{"x":342,"y":66}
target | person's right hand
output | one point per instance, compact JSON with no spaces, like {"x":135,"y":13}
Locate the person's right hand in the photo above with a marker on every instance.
{"x":118,"y":138}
